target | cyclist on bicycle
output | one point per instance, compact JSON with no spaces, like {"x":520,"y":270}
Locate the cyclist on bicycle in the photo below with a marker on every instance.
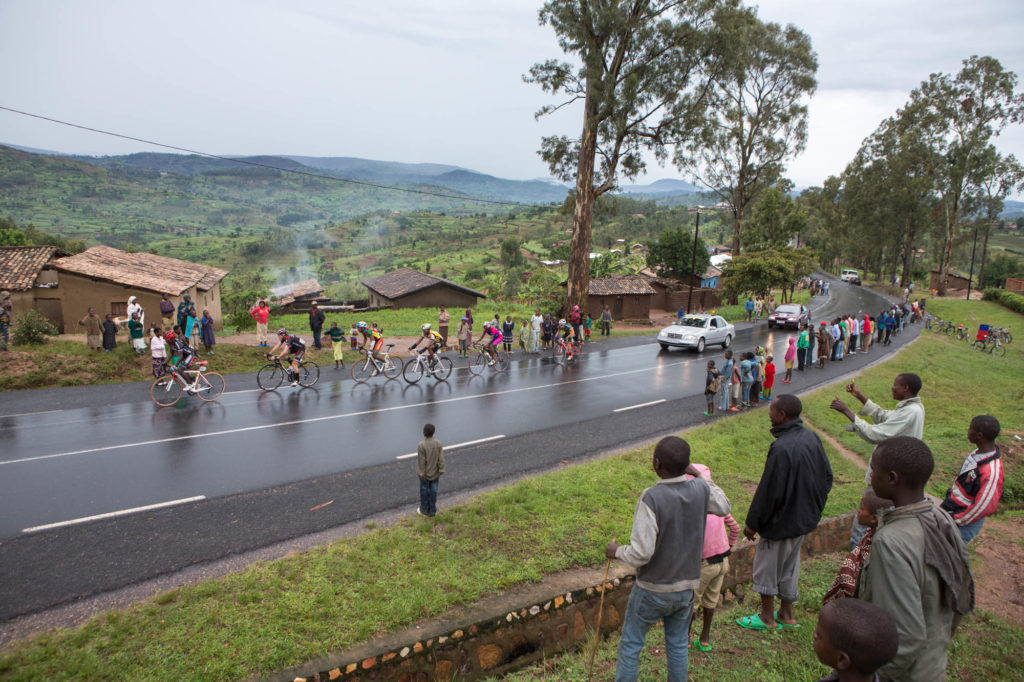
{"x":434,"y":341}
{"x":290,"y":344}
{"x":491,"y":346}
{"x":568,"y":338}
{"x":181,"y":354}
{"x":373,"y":333}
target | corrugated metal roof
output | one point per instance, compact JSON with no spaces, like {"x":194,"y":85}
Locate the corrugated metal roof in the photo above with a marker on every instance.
{"x":404,"y":281}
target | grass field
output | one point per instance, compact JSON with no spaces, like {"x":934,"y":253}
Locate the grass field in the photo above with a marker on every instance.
{"x":285,"y":612}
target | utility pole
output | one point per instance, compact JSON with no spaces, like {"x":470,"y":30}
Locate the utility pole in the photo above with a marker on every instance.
{"x":693,"y":263}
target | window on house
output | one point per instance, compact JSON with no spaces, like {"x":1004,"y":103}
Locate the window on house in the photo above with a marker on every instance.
{"x":119,"y":309}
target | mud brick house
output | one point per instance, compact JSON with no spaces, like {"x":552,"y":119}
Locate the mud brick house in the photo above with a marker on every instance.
{"x":27,"y":272}
{"x":298,"y":296}
{"x":628,"y":297}
{"x":955,"y":280}
{"x":408,"y":288}
{"x":103,"y":278}
{"x":671,"y":295}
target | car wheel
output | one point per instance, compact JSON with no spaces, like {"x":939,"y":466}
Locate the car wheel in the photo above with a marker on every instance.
{"x":727,"y":342}
{"x":664,"y":346}
{"x":700,"y":345}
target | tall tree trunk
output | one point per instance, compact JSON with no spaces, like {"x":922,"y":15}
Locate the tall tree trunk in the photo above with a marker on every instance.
{"x":952,"y":215}
{"x":984,"y":253}
{"x":908,"y":252}
{"x":583,"y":212}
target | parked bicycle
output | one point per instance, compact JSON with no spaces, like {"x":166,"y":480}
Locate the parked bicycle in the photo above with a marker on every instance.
{"x":481,"y":359}
{"x":274,"y":372}
{"x":167,"y":389}
{"x":440,"y":367}
{"x":991,"y":345}
{"x":363,"y":370}
{"x":1001,"y":333}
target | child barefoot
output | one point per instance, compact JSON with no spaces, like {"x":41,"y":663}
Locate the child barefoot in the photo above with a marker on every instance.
{"x":712,"y":383}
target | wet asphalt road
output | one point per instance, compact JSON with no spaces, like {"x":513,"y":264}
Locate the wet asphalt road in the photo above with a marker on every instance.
{"x":253,"y":468}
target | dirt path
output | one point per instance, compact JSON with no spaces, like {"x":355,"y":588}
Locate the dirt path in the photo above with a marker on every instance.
{"x":998,"y":570}
{"x":846,"y":452}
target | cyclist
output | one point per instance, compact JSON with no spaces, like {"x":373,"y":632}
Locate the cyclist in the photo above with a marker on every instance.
{"x":368,"y":333}
{"x":434,"y":341}
{"x":568,"y":338}
{"x":290,"y":344}
{"x":491,"y":346}
{"x":181,"y":354}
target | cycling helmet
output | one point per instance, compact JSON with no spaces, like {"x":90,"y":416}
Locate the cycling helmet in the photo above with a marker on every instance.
{"x":561,"y":323}
{"x":426,"y":327}
{"x":360,"y":325}
{"x":169,"y":336}
{"x":282,"y":332}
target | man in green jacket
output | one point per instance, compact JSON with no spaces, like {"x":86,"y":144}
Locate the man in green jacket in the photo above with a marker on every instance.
{"x":918,"y":570}
{"x":429,"y":467}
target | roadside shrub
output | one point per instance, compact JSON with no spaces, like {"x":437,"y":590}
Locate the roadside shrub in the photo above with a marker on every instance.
{"x":31,"y":329}
{"x":241,"y":320}
{"x":1007,"y":299}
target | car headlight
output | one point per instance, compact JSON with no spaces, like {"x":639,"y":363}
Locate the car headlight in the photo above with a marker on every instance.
{"x":689,"y":337}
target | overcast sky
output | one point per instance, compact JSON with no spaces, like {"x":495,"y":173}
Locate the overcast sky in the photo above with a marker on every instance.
{"x":414,"y":81}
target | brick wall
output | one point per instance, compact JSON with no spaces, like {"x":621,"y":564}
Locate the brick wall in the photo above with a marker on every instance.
{"x":510,"y":638}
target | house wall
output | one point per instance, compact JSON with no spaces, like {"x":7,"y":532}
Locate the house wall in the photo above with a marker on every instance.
{"x":952,"y":282}
{"x":431,"y":297}
{"x":1015,"y":284}
{"x":622,"y":306}
{"x":77,"y":294}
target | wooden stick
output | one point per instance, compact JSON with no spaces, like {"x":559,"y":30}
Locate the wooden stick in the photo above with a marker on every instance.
{"x":597,"y":630}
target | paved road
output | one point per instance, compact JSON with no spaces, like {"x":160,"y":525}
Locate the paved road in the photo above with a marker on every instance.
{"x":253,"y":468}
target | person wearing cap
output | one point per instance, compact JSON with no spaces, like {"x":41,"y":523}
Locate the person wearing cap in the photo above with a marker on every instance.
{"x":574,"y":319}
{"x":261,"y":313}
{"x":316,"y":324}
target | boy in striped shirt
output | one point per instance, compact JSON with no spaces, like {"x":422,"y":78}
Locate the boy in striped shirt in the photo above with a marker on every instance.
{"x":979,"y":486}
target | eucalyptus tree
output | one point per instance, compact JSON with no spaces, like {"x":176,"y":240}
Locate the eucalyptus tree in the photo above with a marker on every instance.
{"x":1001,"y":176}
{"x":776,"y":220}
{"x":826,"y":230}
{"x":757,"y":110}
{"x":963,"y":113}
{"x":640,"y":75}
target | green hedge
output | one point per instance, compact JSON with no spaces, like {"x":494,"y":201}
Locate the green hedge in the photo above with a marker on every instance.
{"x":1009,"y":299}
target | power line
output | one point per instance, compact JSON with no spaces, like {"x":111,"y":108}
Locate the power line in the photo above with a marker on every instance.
{"x":262,"y":165}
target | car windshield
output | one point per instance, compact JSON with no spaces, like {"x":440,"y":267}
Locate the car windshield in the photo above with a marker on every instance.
{"x":692,"y":322}
{"x":788,"y":308}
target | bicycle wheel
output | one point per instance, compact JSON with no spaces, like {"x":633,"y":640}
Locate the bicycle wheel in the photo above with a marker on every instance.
{"x":443,"y":369}
{"x":501,"y":361}
{"x":393,"y":368}
{"x":210,"y":386}
{"x":978,"y":345}
{"x":559,"y":354}
{"x":270,"y":377}
{"x":477,"y":362}
{"x":1007,"y":338}
{"x":165,"y":391}
{"x":999,"y":349}
{"x":363,"y":370}
{"x":309,"y":373}
{"x":413,"y":371}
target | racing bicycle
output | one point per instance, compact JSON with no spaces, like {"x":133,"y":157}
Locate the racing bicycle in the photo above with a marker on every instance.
{"x":274,"y":372}
{"x":565,"y":351}
{"x":166,"y":390}
{"x":363,"y":370}
{"x":481,"y":359}
{"x":439,"y":368}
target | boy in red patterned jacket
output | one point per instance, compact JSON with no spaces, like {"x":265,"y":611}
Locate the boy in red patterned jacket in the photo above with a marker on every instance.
{"x":979,"y":486}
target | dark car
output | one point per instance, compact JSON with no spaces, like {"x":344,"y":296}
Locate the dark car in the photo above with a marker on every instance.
{"x":789,"y":315}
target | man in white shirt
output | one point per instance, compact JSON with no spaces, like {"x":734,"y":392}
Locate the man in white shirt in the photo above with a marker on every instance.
{"x":535,"y":323}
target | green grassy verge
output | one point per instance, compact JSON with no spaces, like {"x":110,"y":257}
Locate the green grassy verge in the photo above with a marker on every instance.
{"x":283,"y":613}
{"x":958,"y":383}
{"x":984,"y":646}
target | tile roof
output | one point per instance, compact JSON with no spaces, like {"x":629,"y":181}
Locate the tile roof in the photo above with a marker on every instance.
{"x":141,"y":270}
{"x":20,"y":265}
{"x":629,"y":284}
{"x":307,"y":287}
{"x":404,"y":281}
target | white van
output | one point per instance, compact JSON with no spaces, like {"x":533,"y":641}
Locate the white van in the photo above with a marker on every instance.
{"x":849,"y":275}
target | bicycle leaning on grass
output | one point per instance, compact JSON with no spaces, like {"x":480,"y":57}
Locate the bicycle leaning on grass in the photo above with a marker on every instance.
{"x":274,"y":372}
{"x":166,"y":390}
{"x":991,"y":345}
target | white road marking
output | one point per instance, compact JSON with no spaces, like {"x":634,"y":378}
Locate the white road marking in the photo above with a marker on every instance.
{"x":459,"y":445}
{"x":332,"y":417}
{"x":109,"y":515}
{"x":635,"y":407}
{"x":28,"y":414}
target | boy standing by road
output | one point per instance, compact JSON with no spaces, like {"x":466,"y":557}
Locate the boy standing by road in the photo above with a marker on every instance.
{"x":979,"y":485}
{"x":429,"y":467}
{"x":712,"y":383}
{"x":668,"y":532}
{"x":919,"y":570}
{"x":337,"y":339}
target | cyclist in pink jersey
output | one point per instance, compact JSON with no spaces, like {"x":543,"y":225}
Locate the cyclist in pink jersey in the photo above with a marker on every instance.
{"x":491,"y":346}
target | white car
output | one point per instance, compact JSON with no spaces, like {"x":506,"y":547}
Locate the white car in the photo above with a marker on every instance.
{"x":697,"y":331}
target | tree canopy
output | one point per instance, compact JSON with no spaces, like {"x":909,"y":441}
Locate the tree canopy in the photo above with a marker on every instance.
{"x":672,"y":255}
